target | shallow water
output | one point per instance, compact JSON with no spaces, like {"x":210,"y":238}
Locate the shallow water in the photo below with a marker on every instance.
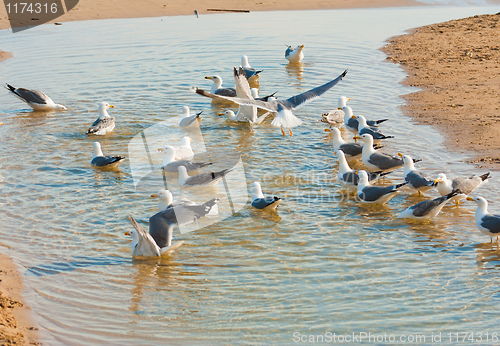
{"x":325,"y":264}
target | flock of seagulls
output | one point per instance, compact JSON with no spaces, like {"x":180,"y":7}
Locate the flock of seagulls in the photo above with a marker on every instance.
{"x":158,"y":241}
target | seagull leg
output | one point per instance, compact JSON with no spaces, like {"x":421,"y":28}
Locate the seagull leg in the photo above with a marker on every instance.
{"x":419,"y":193}
{"x":290,"y":131}
{"x":283,"y":131}
{"x":457,"y":203}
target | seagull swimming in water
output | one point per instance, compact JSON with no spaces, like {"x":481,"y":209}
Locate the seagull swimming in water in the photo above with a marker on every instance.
{"x":99,"y":160}
{"x":294,"y":55}
{"x":35,"y":99}
{"x":283,"y":108}
{"x":217,"y":88}
{"x":188,"y":119}
{"x":170,"y":164}
{"x":104,"y":123}
{"x":261,"y":202}
{"x":250,"y":72}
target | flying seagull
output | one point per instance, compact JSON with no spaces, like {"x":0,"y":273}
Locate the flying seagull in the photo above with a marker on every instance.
{"x":283,"y":108}
{"x":35,"y":99}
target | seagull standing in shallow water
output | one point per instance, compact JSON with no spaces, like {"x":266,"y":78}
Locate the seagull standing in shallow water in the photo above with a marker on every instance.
{"x":187,"y":119}
{"x":464,"y":185}
{"x":487,"y":223}
{"x":375,"y":194}
{"x":35,"y":99}
{"x":283,"y":108}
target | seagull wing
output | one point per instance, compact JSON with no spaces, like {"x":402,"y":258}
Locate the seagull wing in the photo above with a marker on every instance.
{"x":146,"y":245}
{"x":299,"y":100}
{"x":102,"y":161}
{"x":29,"y":96}
{"x":100,"y":124}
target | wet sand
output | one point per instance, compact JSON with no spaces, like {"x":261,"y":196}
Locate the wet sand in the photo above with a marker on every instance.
{"x":456,"y":64}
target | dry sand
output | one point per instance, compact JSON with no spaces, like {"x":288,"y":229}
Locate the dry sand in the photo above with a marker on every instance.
{"x":457,"y":66}
{"x":455,"y":63}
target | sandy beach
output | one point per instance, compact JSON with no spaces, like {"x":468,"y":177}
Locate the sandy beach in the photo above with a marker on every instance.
{"x":454,"y":63}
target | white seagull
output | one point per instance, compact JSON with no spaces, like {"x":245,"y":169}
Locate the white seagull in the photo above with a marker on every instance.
{"x":375,"y":194}
{"x":99,"y":160}
{"x":261,"y":202}
{"x":166,"y":200}
{"x":363,"y":128}
{"x":104,"y":123}
{"x":375,"y":160}
{"x":250,"y":72}
{"x":294,"y":55}
{"x":415,"y":179}
{"x":35,"y":99}
{"x":351,"y":150}
{"x":217,"y":88}
{"x":427,"y":209}
{"x":203,"y":179}
{"x":352,"y":124}
{"x":188,"y":119}
{"x":170,"y":164}
{"x":464,"y":185}
{"x":487,"y":223}
{"x":335,"y":116}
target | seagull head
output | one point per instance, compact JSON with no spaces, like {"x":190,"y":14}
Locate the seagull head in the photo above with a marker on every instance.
{"x":343,"y":102}
{"x":185,"y":111}
{"x":407,"y":160}
{"x":480,"y":201}
{"x":186,"y":141}
{"x":97,"y":150}
{"x":61,"y":107}
{"x":228,"y":113}
{"x":244,"y":61}
{"x":363,"y":178}
{"x":164,"y":196}
{"x":256,"y":191}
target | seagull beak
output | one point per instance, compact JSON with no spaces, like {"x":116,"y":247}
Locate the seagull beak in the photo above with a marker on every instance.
{"x":469,"y":198}
{"x":220,"y":114}
{"x":339,"y":108}
{"x":127,"y":233}
{"x":208,"y":77}
{"x":437,"y":181}
{"x":154,"y":195}
{"x":190,"y":139}
{"x":348,"y":99}
{"x":160,"y":150}
{"x":356,"y":137}
{"x":326,"y":130}
{"x":302,"y":46}
{"x":400,"y":155}
{"x":111,"y":106}
{"x":353,"y":116}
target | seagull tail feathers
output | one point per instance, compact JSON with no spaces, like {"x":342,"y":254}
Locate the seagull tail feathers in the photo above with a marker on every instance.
{"x":286,"y":119}
{"x":484,"y":176}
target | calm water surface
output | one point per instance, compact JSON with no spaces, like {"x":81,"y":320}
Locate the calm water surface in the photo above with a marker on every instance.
{"x":325,"y":264}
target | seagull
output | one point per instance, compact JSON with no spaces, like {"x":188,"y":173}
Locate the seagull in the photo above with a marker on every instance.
{"x":104,"y":123}
{"x":166,"y":200}
{"x":349,"y":178}
{"x":143,"y":243}
{"x":375,"y":194}
{"x":187,"y":119}
{"x":283,"y":108}
{"x":255,"y":95}
{"x":99,"y":160}
{"x":351,"y":150}
{"x":427,"y":209}
{"x":261,"y":202}
{"x":352,"y":124}
{"x":249,"y":71}
{"x":203,"y":179}
{"x":487,"y":223}
{"x":363,"y":128}
{"x":464,"y":185}
{"x":35,"y":99}
{"x":217,"y":88}
{"x":414,"y":178}
{"x":294,"y":55}
{"x":335,"y":116}
{"x":184,"y":152}
{"x":375,"y":160}
{"x":240,"y":118}
{"x":170,"y":164}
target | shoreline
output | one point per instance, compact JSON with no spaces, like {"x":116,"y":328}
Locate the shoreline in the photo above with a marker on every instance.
{"x":455,"y":64}
{"x":94,"y":9}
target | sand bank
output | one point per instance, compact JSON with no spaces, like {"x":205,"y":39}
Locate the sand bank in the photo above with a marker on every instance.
{"x":16,"y":324}
{"x":456,"y":64}
{"x":96,"y":9}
